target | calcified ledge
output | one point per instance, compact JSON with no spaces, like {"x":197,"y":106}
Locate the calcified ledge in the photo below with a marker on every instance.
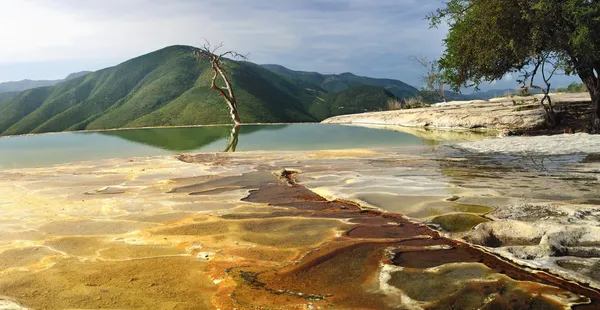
{"x":280,"y":229}
{"x":496,"y":114}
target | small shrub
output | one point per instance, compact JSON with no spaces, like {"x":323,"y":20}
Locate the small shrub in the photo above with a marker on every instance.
{"x":416,"y":102}
{"x":523,"y":92}
{"x":394,"y":104}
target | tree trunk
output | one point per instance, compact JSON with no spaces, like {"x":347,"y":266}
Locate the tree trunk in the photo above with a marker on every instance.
{"x":235,"y":115}
{"x":596,"y":104}
{"x":229,"y":96}
{"x":551,"y":118}
{"x":550,"y":114}
{"x":592,"y":82}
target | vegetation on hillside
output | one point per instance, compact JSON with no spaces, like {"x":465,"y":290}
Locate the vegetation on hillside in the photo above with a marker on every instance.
{"x":358,"y":99}
{"x":344,"y":81}
{"x":7,"y":95}
{"x":488,"y":39}
{"x":170,"y":87}
{"x":573,"y":88}
{"x":166,"y":87}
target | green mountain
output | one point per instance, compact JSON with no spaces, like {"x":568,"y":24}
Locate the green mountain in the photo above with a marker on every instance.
{"x":357,"y":99}
{"x":169,"y":87}
{"x":344,"y":81}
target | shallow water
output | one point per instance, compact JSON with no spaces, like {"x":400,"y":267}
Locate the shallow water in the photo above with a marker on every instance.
{"x":226,"y":231}
{"x":49,"y":149}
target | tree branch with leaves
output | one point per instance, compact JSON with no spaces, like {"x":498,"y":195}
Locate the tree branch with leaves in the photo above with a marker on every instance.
{"x":217,"y":63}
{"x":489,"y":38}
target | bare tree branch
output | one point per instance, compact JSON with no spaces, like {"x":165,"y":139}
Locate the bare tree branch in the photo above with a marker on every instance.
{"x":433,"y":78}
{"x":209,"y":53}
{"x":540,"y":61}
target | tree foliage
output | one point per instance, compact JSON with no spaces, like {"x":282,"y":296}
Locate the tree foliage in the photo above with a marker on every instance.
{"x":490,"y":38}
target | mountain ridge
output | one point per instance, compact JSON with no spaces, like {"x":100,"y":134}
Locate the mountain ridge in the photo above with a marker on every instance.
{"x":343,"y":81}
{"x":22,"y":85}
{"x":169,"y":87}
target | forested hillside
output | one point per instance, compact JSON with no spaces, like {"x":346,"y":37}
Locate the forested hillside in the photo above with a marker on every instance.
{"x":169,"y":87}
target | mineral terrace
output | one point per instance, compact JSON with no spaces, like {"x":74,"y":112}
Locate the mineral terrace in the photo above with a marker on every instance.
{"x":427,"y":227}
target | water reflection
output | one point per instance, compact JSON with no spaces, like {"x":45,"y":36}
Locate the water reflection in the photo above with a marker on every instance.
{"x":233,"y":140}
{"x":267,"y":137}
{"x":24,"y":151}
{"x":187,"y":138}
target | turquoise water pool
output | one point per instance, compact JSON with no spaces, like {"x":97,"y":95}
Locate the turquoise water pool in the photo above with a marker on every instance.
{"x":49,"y":149}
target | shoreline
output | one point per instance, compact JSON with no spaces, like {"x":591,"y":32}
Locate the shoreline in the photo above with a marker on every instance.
{"x":508,"y":115}
{"x":152,"y":127}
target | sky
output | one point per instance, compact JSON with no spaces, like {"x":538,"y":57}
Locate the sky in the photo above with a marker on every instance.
{"x":48,"y":39}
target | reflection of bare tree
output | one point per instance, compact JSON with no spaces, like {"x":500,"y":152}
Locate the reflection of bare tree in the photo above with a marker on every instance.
{"x":538,"y":165}
{"x":233,"y":139}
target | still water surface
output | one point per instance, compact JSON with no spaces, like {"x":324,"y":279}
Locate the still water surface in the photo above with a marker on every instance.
{"x":49,"y":149}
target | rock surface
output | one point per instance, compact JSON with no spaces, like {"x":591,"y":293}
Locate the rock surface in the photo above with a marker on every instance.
{"x":579,"y":143}
{"x":518,"y":113}
{"x":561,"y":238}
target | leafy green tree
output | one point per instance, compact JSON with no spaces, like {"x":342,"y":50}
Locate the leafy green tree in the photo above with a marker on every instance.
{"x":490,"y":38}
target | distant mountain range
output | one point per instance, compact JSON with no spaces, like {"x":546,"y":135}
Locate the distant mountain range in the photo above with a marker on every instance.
{"x":18,"y":86}
{"x":344,"y":81}
{"x":169,"y":87}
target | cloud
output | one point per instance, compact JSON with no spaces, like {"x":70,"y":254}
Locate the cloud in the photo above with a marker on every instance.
{"x":362,"y":36}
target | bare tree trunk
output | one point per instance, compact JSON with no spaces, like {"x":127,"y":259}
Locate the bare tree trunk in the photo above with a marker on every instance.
{"x":209,"y":53}
{"x":596,"y":104}
{"x":230,"y":97}
{"x":434,"y":79}
{"x":442,"y":93}
{"x":550,"y":114}
{"x":546,"y":102}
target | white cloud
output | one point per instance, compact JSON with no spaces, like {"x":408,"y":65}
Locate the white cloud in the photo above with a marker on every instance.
{"x":30,"y":32}
{"x":363,"y":36}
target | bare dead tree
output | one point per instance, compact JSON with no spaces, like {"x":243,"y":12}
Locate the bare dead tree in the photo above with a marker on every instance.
{"x":546,"y":65}
{"x":212,"y":54}
{"x":433,"y":77}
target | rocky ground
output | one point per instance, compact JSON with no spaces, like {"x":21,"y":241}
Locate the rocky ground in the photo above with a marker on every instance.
{"x":364,"y":229}
{"x":514,"y":114}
